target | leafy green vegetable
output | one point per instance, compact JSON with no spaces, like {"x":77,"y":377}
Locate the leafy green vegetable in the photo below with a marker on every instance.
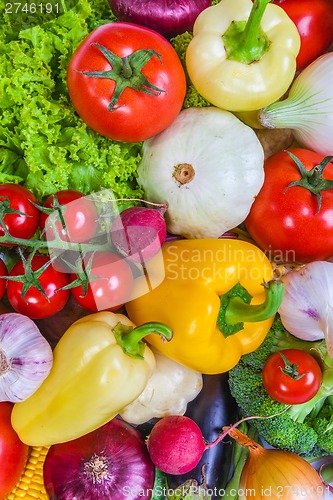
{"x":43,"y":143}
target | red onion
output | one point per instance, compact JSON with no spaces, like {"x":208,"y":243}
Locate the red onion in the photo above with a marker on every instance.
{"x":168,"y":17}
{"x":110,"y":462}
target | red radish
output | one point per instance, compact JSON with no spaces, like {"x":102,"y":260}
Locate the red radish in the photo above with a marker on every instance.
{"x":139,"y":232}
{"x":176,"y":444}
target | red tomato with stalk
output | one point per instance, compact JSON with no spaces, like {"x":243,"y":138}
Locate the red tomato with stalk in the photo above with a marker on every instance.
{"x":314,"y":21}
{"x":291,"y":376}
{"x":291,"y":218}
{"x":34,"y":285}
{"x":126,"y":82}
{"x":13,"y":453}
{"x":104,"y":283}
{"x":74,"y":216}
{"x":17,"y":211}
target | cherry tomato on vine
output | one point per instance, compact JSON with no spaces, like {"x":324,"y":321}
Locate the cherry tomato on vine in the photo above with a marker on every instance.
{"x":110,"y":282}
{"x":126,"y":82}
{"x":291,"y":376}
{"x":3,"y":282}
{"x":44,"y":297}
{"x":13,"y":453}
{"x":79,"y":215}
{"x":314,"y":21}
{"x":290,"y":222}
{"x":19,"y":215}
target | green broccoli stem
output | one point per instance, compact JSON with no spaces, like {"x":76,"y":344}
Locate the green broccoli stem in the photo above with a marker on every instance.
{"x":312,"y":407}
{"x":317,"y":348}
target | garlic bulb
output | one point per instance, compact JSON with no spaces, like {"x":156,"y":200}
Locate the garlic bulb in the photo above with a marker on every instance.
{"x":207,"y":166}
{"x":306,"y":310}
{"x":25,"y":357}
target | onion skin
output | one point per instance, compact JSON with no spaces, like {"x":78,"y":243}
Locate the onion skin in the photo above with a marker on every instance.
{"x":276,"y":473}
{"x":110,"y":462}
{"x":168,"y":17}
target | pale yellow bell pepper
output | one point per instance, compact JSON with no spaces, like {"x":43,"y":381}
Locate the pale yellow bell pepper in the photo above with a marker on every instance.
{"x":243,"y":55}
{"x":100,"y":365}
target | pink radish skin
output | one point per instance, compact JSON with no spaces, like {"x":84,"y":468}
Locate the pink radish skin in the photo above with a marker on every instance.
{"x":176,"y":444}
{"x":139,"y":232}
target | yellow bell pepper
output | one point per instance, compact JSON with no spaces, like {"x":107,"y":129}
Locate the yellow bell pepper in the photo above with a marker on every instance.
{"x":243,"y":55}
{"x":100,"y":366}
{"x":214,"y":300}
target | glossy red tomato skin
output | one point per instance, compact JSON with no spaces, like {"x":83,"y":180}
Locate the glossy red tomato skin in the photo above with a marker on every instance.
{"x":81,"y":217}
{"x":111,"y":289}
{"x":283,"y":387}
{"x":20,"y":226}
{"x":34,"y":304}
{"x":314,"y":21}
{"x":137,"y":115}
{"x":283,"y":222}
{"x":3,"y":282}
{"x":13,"y":453}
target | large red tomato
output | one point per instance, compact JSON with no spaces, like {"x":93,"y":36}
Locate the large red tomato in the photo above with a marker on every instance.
{"x":13,"y":453}
{"x":314,"y":21}
{"x":286,"y":220}
{"x":126,"y":82}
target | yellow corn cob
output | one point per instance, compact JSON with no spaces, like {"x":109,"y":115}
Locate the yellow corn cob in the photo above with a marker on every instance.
{"x":31,"y":485}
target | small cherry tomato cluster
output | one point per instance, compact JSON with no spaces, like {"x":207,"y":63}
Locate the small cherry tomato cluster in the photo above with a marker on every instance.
{"x":39,"y":285}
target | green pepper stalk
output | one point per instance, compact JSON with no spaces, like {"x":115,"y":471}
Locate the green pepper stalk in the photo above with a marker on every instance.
{"x":245,"y":41}
{"x":236,"y":308}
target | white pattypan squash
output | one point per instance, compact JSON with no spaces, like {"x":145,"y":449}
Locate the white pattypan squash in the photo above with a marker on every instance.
{"x":207,"y":167}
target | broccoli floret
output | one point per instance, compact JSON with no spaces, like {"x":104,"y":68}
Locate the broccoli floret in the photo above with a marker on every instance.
{"x":323,"y":425}
{"x":300,"y":428}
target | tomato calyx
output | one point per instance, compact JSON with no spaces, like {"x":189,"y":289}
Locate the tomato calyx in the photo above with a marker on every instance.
{"x":290,"y":369}
{"x":126,"y":72}
{"x":83,"y":272}
{"x":312,"y":180}
{"x":30,"y":278}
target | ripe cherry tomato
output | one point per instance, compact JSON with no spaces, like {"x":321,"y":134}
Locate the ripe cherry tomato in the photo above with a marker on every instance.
{"x":79,"y":214}
{"x":110,"y":284}
{"x":285,"y":221}
{"x":35,"y":303}
{"x":3,"y":282}
{"x":137,"y":88}
{"x":19,"y":199}
{"x":314,"y":21}
{"x":13,"y":453}
{"x":291,"y":376}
